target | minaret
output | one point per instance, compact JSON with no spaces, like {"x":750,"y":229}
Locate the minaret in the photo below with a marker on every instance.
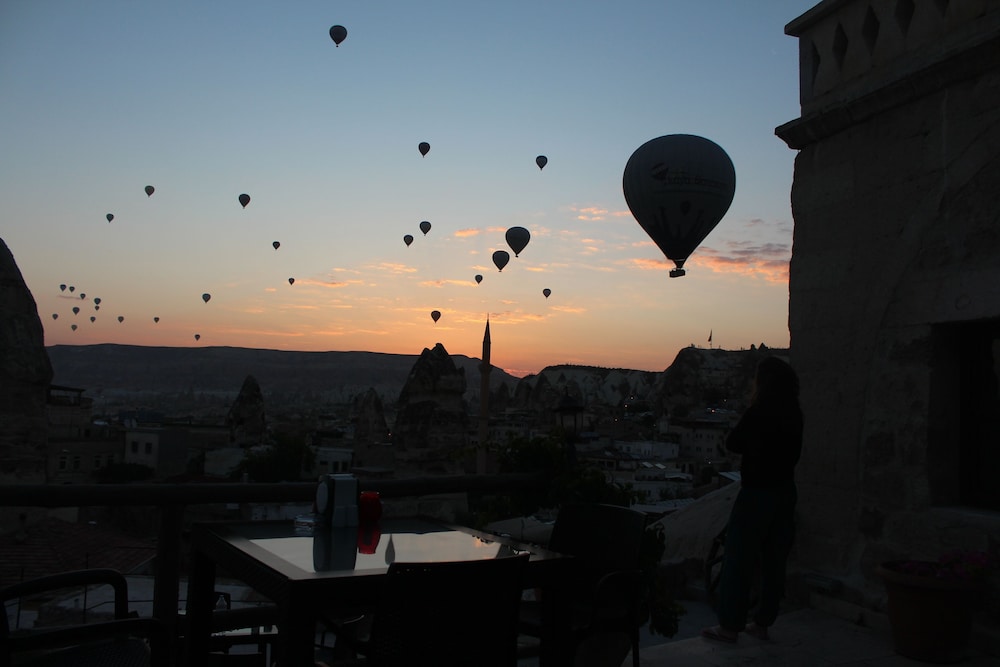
{"x":484,"y":402}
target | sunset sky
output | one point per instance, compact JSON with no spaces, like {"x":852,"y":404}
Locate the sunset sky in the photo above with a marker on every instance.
{"x":208,"y":100}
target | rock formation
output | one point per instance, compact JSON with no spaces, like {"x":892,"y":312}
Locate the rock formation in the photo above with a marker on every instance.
{"x":432,"y":426}
{"x":246,"y":420}
{"x":368,"y":417}
{"x":25,"y":374}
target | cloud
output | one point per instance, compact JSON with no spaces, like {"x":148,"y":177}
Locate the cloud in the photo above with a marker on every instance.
{"x":394,"y":268}
{"x":589,"y":213}
{"x":574,"y":310}
{"x":768,"y":261}
{"x":463,"y":233}
{"x":444,"y":282}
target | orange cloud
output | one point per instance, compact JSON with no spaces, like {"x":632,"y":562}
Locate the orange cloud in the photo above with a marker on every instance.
{"x":463,"y":233}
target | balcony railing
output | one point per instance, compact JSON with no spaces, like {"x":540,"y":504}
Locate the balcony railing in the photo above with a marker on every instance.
{"x":172,"y":499}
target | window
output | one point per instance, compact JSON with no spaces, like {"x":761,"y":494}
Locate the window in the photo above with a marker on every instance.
{"x":149,"y":448}
{"x":964,"y":424}
{"x":135,"y":447}
{"x":76,"y":462}
{"x":97,"y":462}
{"x":63,"y":462}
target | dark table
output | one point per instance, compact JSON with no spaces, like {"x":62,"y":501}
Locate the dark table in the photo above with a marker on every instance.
{"x":327,"y":572}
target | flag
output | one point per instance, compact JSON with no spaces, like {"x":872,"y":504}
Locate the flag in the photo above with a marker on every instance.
{"x":709,"y":335}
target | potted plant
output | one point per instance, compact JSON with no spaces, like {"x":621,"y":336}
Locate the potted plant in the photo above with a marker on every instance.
{"x":931,"y":603}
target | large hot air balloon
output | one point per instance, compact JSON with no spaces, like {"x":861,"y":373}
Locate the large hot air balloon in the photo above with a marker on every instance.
{"x":541,"y":161}
{"x":425,"y":227}
{"x":150,"y":190}
{"x":205,"y":297}
{"x":678,"y":187}
{"x":291,"y":281}
{"x":435,"y":315}
{"x":275,"y":244}
{"x":110,"y":216}
{"x":479,"y":278}
{"x":546,"y":292}
{"x":62,"y":288}
{"x":517,"y":239}
{"x":407,"y":239}
{"x":500,"y":258}
{"x":244,"y":200}
{"x":338,"y":33}
{"x":423,"y":147}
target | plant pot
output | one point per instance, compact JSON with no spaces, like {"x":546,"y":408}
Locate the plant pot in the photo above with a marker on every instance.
{"x":931,"y":618}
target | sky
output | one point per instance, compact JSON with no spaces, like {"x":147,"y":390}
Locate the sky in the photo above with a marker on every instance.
{"x":209,"y":100}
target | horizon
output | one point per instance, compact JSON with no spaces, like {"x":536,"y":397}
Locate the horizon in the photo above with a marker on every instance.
{"x":207,"y":103}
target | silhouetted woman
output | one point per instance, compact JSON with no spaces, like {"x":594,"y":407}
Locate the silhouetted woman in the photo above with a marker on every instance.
{"x":761,"y":525}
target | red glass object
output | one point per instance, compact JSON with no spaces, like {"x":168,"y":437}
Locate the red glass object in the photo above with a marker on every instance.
{"x":369,"y":506}
{"x":369,"y":535}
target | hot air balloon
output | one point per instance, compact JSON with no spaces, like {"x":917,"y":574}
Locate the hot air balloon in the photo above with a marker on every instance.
{"x":425,"y":227}
{"x":275,"y":244}
{"x":83,"y":295}
{"x":291,"y":281}
{"x":338,"y":33}
{"x":546,"y":292}
{"x":435,"y":315}
{"x":197,"y":336}
{"x":407,"y":239}
{"x":479,"y":278}
{"x":424,"y":147}
{"x":156,"y":320}
{"x":73,"y":327}
{"x":62,"y":288}
{"x":150,"y":190}
{"x":97,"y":307}
{"x":110,"y":217}
{"x":517,"y":239}
{"x":72,"y":289}
{"x":55,"y":316}
{"x":244,"y":200}
{"x":92,"y":319}
{"x":541,"y":161}
{"x":120,"y":319}
{"x":97,"y":300}
{"x":678,"y":187}
{"x":500,"y":258}
{"x":76,"y":310}
{"x":205,"y":297}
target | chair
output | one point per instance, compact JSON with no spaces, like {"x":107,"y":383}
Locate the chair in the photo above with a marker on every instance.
{"x":601,"y":593}
{"x":447,"y":614}
{"x":124,"y":640}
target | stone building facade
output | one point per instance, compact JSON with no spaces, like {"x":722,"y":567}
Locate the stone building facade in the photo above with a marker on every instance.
{"x":894,"y":288}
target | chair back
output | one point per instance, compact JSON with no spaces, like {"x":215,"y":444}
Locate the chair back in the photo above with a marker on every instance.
{"x":455,"y":613}
{"x":606,"y":538}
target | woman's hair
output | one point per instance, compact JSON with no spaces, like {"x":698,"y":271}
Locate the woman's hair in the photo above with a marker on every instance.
{"x":775,"y":381}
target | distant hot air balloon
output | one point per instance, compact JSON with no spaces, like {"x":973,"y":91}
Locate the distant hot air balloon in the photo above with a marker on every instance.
{"x":150,"y":190}
{"x":407,"y":239}
{"x":205,"y":297}
{"x":425,"y":227}
{"x":55,"y":316}
{"x":97,"y":307}
{"x":156,"y":320}
{"x":72,"y":289}
{"x":76,"y":310}
{"x":338,"y":34}
{"x":92,"y":319}
{"x":120,"y":319}
{"x":546,"y":292}
{"x":517,"y":239}
{"x":244,"y":200}
{"x":197,"y":336}
{"x":83,"y":295}
{"x":275,"y":244}
{"x":73,"y":327}
{"x":110,"y":216}
{"x":62,"y":288}
{"x":500,"y":258}
{"x":678,"y":187}
{"x":291,"y":281}
{"x":424,"y":147}
{"x":97,"y":300}
{"x":541,"y":161}
{"x":479,"y":278}
{"x":435,"y":315}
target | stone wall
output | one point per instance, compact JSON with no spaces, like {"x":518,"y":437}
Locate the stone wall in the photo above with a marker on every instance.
{"x":896,"y":201}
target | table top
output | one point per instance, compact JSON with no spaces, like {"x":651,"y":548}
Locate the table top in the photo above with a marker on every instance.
{"x":362,"y":549}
